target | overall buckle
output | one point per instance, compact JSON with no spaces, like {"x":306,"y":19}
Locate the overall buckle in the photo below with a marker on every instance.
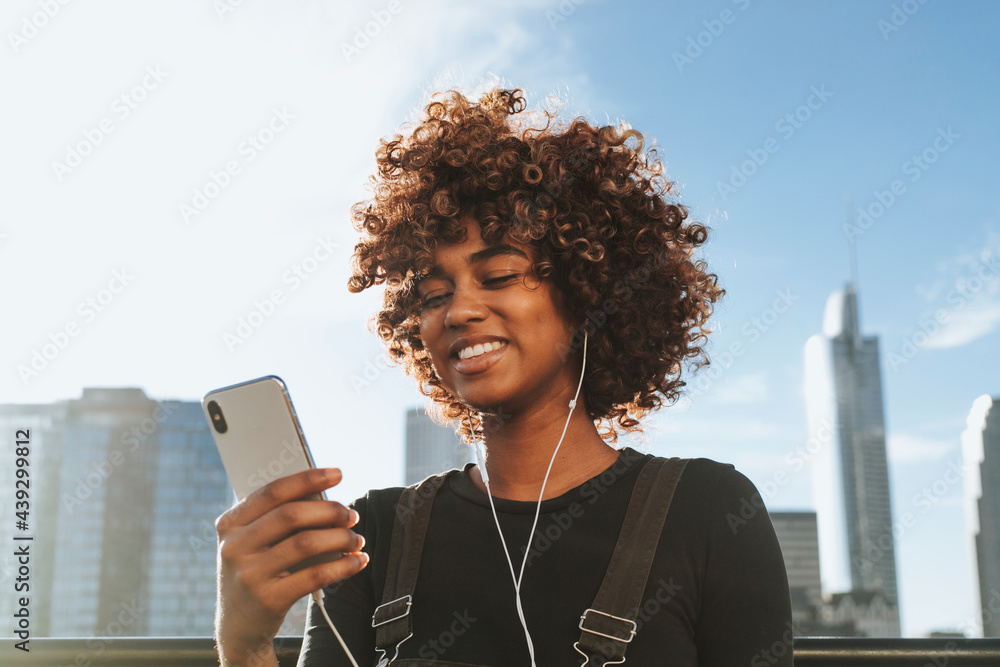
{"x":387,"y":613}
{"x":625,"y":633}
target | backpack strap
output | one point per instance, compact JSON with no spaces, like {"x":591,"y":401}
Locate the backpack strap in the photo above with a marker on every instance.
{"x":609,"y":625}
{"x":391,"y":619}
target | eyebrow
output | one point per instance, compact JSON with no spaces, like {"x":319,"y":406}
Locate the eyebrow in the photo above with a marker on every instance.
{"x":478,"y":257}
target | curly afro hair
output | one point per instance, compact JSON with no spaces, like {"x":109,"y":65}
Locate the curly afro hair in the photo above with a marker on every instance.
{"x":597,"y":210}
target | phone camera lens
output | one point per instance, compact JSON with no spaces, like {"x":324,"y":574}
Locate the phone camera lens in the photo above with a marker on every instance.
{"x":218,"y":421}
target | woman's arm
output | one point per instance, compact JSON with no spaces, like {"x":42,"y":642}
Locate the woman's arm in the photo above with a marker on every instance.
{"x":745,"y":616}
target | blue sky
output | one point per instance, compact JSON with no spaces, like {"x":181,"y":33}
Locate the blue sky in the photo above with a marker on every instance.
{"x":203,"y":81}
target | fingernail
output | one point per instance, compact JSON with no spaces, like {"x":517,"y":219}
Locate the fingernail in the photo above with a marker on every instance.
{"x":332,"y":474}
{"x":355,"y":516}
{"x":362,"y":559}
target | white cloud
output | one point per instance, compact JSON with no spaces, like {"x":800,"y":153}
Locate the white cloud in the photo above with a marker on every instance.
{"x":967,"y":324}
{"x":967,"y":293}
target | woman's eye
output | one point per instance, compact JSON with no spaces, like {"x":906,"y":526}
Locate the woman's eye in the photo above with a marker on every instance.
{"x":500,"y":280}
{"x":489,"y":283}
{"x":432,"y":301}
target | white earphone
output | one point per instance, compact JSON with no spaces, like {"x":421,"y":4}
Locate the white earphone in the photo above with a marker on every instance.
{"x":481,"y":461}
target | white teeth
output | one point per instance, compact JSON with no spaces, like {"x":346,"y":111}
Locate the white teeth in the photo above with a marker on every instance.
{"x":476,"y":350}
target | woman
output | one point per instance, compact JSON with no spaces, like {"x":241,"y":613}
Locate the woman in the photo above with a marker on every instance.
{"x":541,"y":287}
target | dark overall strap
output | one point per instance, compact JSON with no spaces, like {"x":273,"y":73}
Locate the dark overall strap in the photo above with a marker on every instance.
{"x":391,"y":619}
{"x":609,"y":625}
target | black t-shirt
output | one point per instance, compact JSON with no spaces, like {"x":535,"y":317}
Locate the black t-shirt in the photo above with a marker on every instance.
{"x":717,"y":594}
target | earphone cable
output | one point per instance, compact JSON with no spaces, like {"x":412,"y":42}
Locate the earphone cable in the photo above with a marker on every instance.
{"x":481,"y":455}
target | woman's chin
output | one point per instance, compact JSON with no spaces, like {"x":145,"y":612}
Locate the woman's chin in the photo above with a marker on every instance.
{"x":490,"y":407}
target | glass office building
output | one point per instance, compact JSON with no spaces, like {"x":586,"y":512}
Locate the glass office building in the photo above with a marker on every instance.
{"x":981,"y":459}
{"x":125,"y":494}
{"x":431,"y":448}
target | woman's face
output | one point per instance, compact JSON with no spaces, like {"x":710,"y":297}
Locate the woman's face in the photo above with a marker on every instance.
{"x":476,"y":298}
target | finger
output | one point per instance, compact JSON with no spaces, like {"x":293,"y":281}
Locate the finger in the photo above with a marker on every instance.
{"x":291,"y":517}
{"x":277,"y":561}
{"x":315,"y":577}
{"x":280,"y":491}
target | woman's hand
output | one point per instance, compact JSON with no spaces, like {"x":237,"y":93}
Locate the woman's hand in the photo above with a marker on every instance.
{"x":260,"y":540}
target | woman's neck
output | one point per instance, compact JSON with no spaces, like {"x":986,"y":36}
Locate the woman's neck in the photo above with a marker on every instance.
{"x":519,"y":449}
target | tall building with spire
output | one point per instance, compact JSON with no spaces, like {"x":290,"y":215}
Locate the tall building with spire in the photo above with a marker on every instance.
{"x":851,"y":477}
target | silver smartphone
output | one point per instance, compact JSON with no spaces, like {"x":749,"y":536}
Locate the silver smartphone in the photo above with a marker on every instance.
{"x":259,"y":439}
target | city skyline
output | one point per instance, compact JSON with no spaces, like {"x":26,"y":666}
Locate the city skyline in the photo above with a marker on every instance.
{"x":127,"y":491}
{"x":78,"y":441}
{"x":767,"y":117}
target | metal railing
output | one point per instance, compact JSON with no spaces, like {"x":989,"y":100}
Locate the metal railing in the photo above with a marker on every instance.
{"x":200,"y":652}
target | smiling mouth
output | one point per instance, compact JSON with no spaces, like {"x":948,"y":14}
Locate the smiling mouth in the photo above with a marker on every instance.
{"x":481,"y":357}
{"x":474,"y":351}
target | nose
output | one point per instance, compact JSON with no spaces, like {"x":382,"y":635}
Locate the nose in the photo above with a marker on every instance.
{"x":465,"y":306}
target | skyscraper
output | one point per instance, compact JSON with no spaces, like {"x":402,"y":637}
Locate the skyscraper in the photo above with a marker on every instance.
{"x":431,"y":448}
{"x":851,"y":483}
{"x":125,"y":493}
{"x":981,"y":458}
